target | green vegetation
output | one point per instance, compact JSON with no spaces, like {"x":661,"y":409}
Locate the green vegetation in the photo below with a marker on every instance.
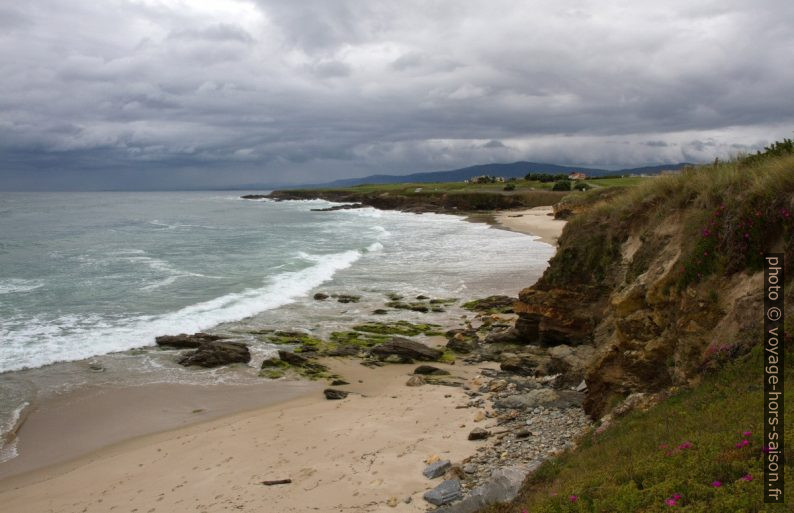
{"x":545,"y":177}
{"x":298,"y":338}
{"x":562,"y":185}
{"x":776,"y":149}
{"x":403,"y":328}
{"x":491,"y":305}
{"x":690,"y":446}
{"x":581,"y":186}
{"x":733,"y":212}
{"x":426,"y":189}
{"x":357,"y":338}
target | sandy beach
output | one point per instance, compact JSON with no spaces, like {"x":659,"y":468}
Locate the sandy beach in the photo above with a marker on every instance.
{"x":364,"y":453}
{"x":356,"y":454}
{"x":538,"y":221}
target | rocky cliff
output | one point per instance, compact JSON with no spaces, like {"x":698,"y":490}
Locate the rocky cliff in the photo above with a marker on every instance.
{"x":664,"y":281}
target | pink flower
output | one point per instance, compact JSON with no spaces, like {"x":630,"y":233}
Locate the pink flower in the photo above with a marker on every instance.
{"x":747,"y":434}
{"x":747,"y":477}
{"x":670,"y":502}
{"x":716,"y":484}
{"x":766,"y":449}
{"x":686,"y":445}
{"x":573,"y":498}
{"x":677,"y":496}
{"x":706,"y":232}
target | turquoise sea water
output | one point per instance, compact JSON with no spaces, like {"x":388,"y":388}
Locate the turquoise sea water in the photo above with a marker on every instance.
{"x":84,"y":275}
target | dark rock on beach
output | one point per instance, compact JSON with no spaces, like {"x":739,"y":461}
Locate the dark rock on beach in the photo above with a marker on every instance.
{"x":491,"y":304}
{"x":293,"y":358}
{"x":185,"y":341}
{"x":446,"y":492}
{"x":544,"y":397}
{"x":333,"y":394}
{"x":320,"y":296}
{"x":347,"y":298}
{"x":437,"y":469}
{"x":216,"y":353}
{"x":429,"y":370}
{"x":406,"y":350}
{"x":479,"y":434}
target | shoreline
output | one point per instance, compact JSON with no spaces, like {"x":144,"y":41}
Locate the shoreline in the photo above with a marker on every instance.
{"x":408,"y":404}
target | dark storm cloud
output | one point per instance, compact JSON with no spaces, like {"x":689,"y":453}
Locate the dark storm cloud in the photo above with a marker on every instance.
{"x":144,"y":93}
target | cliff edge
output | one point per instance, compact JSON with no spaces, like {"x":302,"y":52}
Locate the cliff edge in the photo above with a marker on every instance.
{"x":664,"y":280}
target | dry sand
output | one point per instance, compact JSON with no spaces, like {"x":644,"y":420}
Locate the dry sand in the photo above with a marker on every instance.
{"x":350,"y":455}
{"x":538,"y":221}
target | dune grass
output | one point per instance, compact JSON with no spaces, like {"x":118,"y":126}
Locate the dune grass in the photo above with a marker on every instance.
{"x":732,"y":212}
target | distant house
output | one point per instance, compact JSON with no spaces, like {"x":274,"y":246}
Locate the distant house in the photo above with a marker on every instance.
{"x":577,"y":176}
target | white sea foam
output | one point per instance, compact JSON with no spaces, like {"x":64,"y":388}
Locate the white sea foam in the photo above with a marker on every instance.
{"x":14,"y":285}
{"x":34,"y":342}
{"x":8,"y":439}
{"x":375,"y":246}
{"x":163,"y":267}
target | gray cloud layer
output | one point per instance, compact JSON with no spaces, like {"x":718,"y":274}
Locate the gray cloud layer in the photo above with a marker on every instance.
{"x":140,"y":93}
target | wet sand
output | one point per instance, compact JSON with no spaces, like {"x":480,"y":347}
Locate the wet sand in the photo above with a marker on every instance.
{"x":72,"y":424}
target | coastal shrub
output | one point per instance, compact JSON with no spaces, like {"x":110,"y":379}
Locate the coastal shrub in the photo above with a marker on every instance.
{"x":562,"y":185}
{"x":700,"y":451}
{"x":776,"y":149}
{"x":510,"y":187}
{"x":581,"y":186}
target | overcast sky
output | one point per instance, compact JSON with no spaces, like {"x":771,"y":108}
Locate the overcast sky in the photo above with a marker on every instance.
{"x":169,"y":93}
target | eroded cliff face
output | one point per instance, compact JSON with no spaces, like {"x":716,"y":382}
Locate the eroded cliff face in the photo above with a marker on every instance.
{"x":626,"y":300}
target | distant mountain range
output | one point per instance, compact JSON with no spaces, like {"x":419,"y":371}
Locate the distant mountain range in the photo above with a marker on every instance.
{"x":514,"y":170}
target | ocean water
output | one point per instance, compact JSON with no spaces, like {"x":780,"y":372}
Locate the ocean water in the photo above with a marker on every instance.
{"x":94,"y":277}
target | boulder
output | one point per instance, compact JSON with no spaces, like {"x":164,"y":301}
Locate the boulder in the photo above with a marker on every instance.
{"x":185,"y":341}
{"x":503,"y":486}
{"x":332,"y":394}
{"x":415,"y":381}
{"x":505,"y":336}
{"x":343,"y":350}
{"x":215,"y":354}
{"x":437,"y":469}
{"x":479,"y":434}
{"x":545,"y":397}
{"x":446,"y":492}
{"x":462,"y":345}
{"x":293,"y":358}
{"x":501,"y":304}
{"x":320,"y":296}
{"x":429,"y":370}
{"x":406,"y":350}
{"x":526,"y":364}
